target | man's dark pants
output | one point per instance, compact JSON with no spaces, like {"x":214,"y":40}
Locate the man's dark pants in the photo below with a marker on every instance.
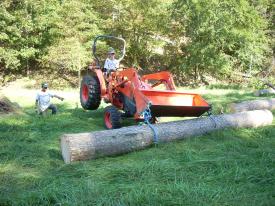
{"x":51,"y":107}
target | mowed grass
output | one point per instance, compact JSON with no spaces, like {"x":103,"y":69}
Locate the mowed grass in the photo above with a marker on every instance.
{"x":230,"y":167}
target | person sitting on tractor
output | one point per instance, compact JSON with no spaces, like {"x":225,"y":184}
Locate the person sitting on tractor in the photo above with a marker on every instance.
{"x":43,"y":100}
{"x":111,"y":64}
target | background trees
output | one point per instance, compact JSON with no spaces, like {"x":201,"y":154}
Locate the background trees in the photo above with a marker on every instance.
{"x":221,"y":36}
{"x":194,"y":39}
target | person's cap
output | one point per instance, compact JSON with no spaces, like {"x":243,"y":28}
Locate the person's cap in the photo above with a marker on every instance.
{"x":44,"y":85}
{"x":111,"y":51}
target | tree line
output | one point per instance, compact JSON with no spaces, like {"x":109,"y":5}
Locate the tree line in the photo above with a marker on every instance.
{"x":194,"y":39}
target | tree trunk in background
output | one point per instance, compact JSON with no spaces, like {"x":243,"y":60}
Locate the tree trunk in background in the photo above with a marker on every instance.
{"x":97,"y":144}
{"x":253,"y":105}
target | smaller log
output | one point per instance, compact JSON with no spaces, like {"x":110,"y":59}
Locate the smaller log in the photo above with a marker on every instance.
{"x":84,"y":146}
{"x":260,"y":104}
{"x":264,"y":92}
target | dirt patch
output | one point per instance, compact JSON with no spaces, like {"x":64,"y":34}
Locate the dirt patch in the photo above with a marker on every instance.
{"x":6,"y":106}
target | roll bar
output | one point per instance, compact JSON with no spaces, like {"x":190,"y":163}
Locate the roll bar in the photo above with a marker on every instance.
{"x":108,"y":37}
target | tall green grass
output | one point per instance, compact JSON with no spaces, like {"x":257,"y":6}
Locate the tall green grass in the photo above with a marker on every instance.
{"x":230,"y":167}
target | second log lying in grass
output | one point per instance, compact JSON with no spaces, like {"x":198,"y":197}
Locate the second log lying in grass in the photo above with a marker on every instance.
{"x":264,"y":92}
{"x":93,"y":145}
{"x":253,"y":105}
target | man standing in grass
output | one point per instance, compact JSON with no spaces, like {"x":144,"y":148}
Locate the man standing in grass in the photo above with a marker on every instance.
{"x":43,"y":100}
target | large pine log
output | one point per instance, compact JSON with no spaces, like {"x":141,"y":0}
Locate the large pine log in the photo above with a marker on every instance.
{"x":253,"y":105}
{"x":93,"y":145}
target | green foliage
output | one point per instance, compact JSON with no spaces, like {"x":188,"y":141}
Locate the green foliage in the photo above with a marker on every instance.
{"x":47,"y":32}
{"x":139,"y":22}
{"x":191,"y":38}
{"x":220,"y":36}
{"x":24,"y":34}
{"x":73,"y":55}
{"x":74,"y":28}
{"x":11,"y":32}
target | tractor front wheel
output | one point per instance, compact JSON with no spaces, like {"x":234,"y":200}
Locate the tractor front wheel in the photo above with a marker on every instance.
{"x":90,"y":96}
{"x":112,"y":118}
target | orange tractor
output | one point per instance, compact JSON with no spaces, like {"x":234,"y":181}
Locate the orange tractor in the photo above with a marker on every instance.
{"x":135,"y":96}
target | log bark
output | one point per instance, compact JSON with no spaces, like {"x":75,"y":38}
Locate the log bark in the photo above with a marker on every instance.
{"x":84,"y":146}
{"x":268,"y":104}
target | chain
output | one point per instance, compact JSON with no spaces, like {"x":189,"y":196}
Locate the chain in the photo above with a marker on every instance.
{"x":210,"y":115}
{"x":147,"y":117}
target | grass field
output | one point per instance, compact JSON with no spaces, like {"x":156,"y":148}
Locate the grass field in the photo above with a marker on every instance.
{"x":230,"y":167}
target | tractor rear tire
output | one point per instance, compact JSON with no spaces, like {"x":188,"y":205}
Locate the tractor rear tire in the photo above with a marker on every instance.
{"x":90,"y":96}
{"x":112,"y":118}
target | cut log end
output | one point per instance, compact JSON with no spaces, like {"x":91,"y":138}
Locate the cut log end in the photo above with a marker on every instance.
{"x":66,"y":152}
{"x":84,"y":150}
